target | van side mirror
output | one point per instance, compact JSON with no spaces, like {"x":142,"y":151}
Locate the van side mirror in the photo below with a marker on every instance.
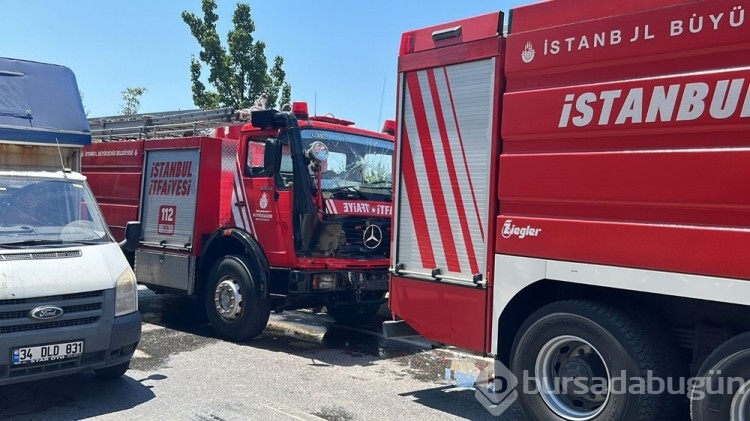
{"x":132,"y":236}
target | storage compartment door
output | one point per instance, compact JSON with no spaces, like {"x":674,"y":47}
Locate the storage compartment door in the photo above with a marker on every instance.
{"x":442,"y":205}
{"x":445,"y":151}
{"x":170,"y":198}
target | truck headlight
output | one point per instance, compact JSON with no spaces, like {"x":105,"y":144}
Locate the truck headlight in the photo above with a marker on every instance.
{"x":324,"y":281}
{"x":126,"y":294}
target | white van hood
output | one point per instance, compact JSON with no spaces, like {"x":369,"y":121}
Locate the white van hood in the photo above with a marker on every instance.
{"x":96,"y":268}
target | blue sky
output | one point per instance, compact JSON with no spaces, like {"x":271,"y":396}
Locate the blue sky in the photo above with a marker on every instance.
{"x":337,"y":51}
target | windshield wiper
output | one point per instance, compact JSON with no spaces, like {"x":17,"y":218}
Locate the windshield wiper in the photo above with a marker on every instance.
{"x":351,"y":192}
{"x":378,"y":185}
{"x":85,"y":242}
{"x":342,"y":188}
{"x":27,"y":243}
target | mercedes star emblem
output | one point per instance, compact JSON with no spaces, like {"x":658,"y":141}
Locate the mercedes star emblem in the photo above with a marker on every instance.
{"x":372,"y":237}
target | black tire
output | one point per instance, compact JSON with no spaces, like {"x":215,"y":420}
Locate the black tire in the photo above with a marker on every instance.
{"x":353,"y":314}
{"x":244,"y":318}
{"x":113,"y":372}
{"x":718,"y":385}
{"x":578,"y":339}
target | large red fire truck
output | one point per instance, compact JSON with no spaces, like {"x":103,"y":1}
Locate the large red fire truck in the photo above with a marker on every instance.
{"x":574,"y":199}
{"x":250,"y":220}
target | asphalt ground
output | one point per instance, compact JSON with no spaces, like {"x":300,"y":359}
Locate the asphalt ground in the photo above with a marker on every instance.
{"x":303,"y":367}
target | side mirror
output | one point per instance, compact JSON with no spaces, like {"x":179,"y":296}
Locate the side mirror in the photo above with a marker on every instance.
{"x":132,"y":236}
{"x":270,"y":155}
{"x":318,"y":151}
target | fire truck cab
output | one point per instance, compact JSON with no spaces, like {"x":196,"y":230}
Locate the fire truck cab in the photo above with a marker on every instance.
{"x":250,"y":219}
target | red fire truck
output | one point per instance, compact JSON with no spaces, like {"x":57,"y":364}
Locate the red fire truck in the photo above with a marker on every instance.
{"x":250,"y":220}
{"x":574,"y":199}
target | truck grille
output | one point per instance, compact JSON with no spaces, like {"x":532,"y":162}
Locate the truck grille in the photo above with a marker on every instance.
{"x":49,"y":325}
{"x":354,"y":237}
{"x":78,"y":309}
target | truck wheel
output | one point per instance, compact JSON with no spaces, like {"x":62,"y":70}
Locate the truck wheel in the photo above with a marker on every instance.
{"x":113,"y":372}
{"x":722,"y":389}
{"x":233,"y":306}
{"x":578,"y":359}
{"x":353,"y":314}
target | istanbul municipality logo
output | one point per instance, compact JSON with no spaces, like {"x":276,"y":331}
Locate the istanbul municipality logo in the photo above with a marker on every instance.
{"x":496,"y":388}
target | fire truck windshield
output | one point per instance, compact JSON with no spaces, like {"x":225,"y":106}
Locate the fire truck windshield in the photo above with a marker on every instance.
{"x":354,"y":161}
{"x":43,"y":211}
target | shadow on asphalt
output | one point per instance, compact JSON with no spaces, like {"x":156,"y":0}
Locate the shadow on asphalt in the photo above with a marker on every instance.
{"x":304,"y":334}
{"x":82,"y":393}
{"x":173,"y":311}
{"x":461,"y":403}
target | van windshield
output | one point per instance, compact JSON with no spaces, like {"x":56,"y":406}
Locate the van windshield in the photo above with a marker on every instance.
{"x":44,"y":211}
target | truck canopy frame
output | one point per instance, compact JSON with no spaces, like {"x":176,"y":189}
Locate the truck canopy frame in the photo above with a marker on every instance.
{"x":40,"y":104}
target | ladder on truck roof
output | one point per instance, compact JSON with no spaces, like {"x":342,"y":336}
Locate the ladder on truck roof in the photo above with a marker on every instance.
{"x":163,"y":124}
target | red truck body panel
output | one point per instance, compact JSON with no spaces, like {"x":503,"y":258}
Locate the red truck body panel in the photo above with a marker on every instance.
{"x":626,"y":40}
{"x":114,"y":172}
{"x":633,"y":153}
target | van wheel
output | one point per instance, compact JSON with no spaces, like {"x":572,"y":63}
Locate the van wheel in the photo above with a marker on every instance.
{"x":232,"y":301}
{"x":353,"y":314}
{"x":113,"y":372}
{"x":722,"y":391}
{"x":577,"y":356}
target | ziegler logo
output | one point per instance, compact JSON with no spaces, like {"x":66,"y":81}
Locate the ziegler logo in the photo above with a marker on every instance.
{"x":46,"y":313}
{"x":510,"y":230}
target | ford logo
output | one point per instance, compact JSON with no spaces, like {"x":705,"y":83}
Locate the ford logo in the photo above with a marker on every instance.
{"x":46,"y":313}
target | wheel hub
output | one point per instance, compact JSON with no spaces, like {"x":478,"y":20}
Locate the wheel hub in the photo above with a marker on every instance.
{"x":585,"y":368}
{"x":228,"y":299}
{"x":570,"y":373}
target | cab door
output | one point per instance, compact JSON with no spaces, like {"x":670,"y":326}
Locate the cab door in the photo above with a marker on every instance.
{"x":268,"y":201}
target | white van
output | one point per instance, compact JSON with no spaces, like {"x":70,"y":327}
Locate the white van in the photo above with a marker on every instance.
{"x":68,"y":297}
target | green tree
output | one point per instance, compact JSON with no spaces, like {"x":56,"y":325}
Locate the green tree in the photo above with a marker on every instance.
{"x":239,"y":74}
{"x":131,"y":98}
